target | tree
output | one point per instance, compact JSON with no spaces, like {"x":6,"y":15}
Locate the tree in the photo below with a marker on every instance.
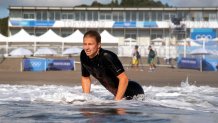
{"x":4,"y":26}
{"x":128,"y":3}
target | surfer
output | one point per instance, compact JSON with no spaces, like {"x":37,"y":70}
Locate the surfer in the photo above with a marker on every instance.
{"x":105,"y":66}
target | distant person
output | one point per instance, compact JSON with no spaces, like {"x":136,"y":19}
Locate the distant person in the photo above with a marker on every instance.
{"x":135,"y":57}
{"x":151,"y":56}
{"x":105,"y":66}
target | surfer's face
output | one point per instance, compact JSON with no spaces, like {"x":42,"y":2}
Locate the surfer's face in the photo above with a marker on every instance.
{"x":90,"y":46}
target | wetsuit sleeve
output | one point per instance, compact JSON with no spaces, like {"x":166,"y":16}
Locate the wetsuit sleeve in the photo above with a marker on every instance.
{"x":84,"y":71}
{"x":113,"y":63}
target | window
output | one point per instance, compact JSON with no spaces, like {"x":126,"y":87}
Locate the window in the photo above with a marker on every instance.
{"x":44,"y":15}
{"x":95,"y":15}
{"x":159,"y":16}
{"x":57,"y":15}
{"x":64,"y":16}
{"x":83,"y":16}
{"x":166,"y":16}
{"x":51,"y":15}
{"x":197,"y":16}
{"x":134,"y":14}
{"x":128,"y":16}
{"x":54,"y":15}
{"x":146,"y":16}
{"x":67,"y":16}
{"x":38,"y":15}
{"x":212,"y":16}
{"x":89,"y":16}
{"x":77,"y":15}
{"x":41,"y":15}
{"x":140,"y":16}
{"x":132,"y":39}
{"x":130,"y":35}
{"x":16,"y":14}
{"x":27,"y":15}
{"x":115,"y":16}
{"x":153,"y":16}
{"x":105,"y":15}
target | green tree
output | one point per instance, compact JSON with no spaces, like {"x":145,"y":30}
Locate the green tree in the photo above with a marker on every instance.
{"x":141,"y":3}
{"x":128,"y":3}
{"x":4,"y":26}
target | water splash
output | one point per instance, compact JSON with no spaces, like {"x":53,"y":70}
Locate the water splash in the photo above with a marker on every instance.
{"x":188,"y":97}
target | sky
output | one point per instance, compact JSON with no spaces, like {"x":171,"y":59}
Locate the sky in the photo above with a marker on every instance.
{"x":177,"y":3}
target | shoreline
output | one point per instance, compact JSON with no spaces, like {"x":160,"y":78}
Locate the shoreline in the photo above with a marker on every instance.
{"x":163,"y":75}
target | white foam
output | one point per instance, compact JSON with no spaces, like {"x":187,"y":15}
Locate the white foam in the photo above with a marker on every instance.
{"x":187,"y":96}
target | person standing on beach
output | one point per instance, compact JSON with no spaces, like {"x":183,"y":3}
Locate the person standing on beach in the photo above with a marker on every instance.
{"x":151,"y":56}
{"x":105,"y":66}
{"x":135,"y":57}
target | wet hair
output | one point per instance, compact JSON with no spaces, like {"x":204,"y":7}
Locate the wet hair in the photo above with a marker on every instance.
{"x":94,"y":34}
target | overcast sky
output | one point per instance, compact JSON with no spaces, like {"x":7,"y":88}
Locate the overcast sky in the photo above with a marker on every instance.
{"x":178,"y":3}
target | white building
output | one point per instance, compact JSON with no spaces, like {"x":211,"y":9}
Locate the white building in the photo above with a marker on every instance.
{"x":142,"y":25}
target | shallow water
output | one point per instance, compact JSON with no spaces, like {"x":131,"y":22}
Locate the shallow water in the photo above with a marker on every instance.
{"x":51,"y":103}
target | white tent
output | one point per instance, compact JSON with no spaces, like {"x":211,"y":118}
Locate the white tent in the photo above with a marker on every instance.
{"x":50,"y":36}
{"x":21,"y":36}
{"x":76,"y":37}
{"x":3,"y":38}
{"x":106,"y":37}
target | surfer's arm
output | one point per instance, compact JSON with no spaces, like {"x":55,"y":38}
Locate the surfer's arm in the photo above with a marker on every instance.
{"x":123,"y":83}
{"x":86,"y":84}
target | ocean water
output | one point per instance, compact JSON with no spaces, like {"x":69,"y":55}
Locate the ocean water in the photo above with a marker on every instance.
{"x":64,"y":104}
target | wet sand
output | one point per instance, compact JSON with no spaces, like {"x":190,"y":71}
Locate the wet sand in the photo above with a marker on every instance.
{"x":164,"y":75}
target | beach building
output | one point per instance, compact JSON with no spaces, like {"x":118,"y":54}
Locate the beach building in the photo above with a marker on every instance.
{"x":163,"y":28}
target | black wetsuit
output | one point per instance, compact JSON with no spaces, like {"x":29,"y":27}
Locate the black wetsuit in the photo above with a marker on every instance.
{"x":105,"y":67}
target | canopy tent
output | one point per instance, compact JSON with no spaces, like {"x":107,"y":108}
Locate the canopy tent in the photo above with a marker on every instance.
{"x":106,"y":37}
{"x":22,"y":36}
{"x":3,"y":38}
{"x":76,"y":37}
{"x":50,"y":36}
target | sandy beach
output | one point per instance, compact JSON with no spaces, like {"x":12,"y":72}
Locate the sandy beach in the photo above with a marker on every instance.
{"x":164,"y":75}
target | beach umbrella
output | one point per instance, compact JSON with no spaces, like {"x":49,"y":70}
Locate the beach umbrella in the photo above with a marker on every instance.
{"x":73,"y":50}
{"x":215,"y":39}
{"x":130,"y":40}
{"x":157,"y":40}
{"x":20,"y":52}
{"x":45,"y":51}
{"x":202,"y":52}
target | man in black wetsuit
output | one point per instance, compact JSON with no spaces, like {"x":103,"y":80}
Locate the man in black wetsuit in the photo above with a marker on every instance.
{"x":105,"y":66}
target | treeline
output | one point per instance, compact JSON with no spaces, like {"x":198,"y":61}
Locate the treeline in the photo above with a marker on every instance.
{"x":4,"y":26}
{"x":128,"y":3}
